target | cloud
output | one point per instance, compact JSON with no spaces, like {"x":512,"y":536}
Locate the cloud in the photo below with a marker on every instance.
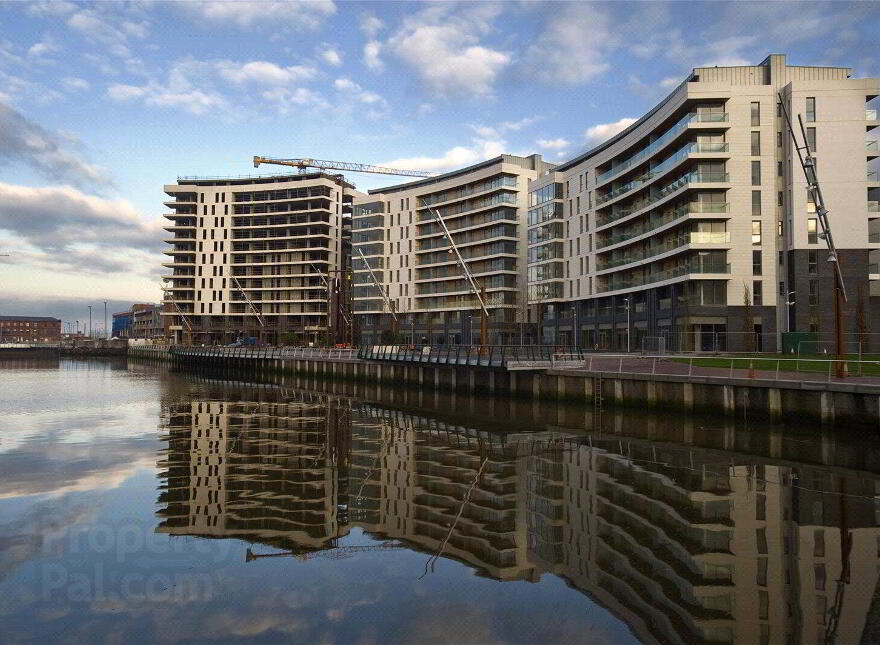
{"x":283,"y":99}
{"x":355,"y":92}
{"x":331,"y":56}
{"x":445,"y":50}
{"x":552,"y":144}
{"x":424,"y":109}
{"x":202,"y":86}
{"x":370,"y":25}
{"x":50,"y":153}
{"x":481,"y":148}
{"x":603,"y":131}
{"x":295,"y":14}
{"x":101,"y":24}
{"x":573,"y":47}
{"x":261,"y":71}
{"x":371,"y":56}
{"x":670,"y":81}
{"x":75,"y":83}
{"x":46,"y":46}
{"x":64,"y":229}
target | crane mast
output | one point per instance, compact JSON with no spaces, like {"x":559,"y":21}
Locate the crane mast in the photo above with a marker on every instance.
{"x":322,"y":164}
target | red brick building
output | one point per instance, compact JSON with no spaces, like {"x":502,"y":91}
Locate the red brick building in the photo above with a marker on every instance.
{"x":29,"y":329}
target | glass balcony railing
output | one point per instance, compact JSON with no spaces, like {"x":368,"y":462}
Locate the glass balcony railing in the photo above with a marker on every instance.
{"x":504,"y":181}
{"x":871,"y":146}
{"x":661,"y":220}
{"x":870,"y":115}
{"x":695,"y":237}
{"x":449,"y":211}
{"x":616,"y":283}
{"x":690,"y":178}
{"x":873,"y":268}
{"x":662,"y":140}
{"x":873,"y":238}
{"x":874,"y":207}
{"x":663,"y":166}
{"x":872,"y":175}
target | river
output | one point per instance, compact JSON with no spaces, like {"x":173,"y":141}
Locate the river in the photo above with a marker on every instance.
{"x":139,"y":504}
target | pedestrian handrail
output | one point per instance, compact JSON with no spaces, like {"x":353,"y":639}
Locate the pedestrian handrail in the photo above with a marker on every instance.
{"x":477,"y":355}
{"x":733,"y":367}
{"x":283,"y":353}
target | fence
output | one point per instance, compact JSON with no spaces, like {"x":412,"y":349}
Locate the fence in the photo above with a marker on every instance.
{"x":282,"y":353}
{"x":480,"y":355}
{"x":744,"y":367}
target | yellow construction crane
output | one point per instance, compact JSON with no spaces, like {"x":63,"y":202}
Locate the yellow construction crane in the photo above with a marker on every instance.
{"x":322,"y":164}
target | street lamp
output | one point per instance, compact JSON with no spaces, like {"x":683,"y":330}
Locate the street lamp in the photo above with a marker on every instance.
{"x":789,"y":301}
{"x":628,"y":325}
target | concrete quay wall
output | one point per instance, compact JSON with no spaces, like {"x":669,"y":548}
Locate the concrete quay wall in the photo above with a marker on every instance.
{"x":828,"y":403}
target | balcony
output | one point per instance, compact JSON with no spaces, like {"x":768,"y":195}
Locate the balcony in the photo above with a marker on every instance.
{"x":467,"y":207}
{"x":505,"y":181}
{"x":872,"y":176}
{"x":617,"y":283}
{"x":681,"y":213}
{"x":502,"y":214}
{"x":468,"y":238}
{"x":664,"y":166}
{"x":874,"y":207}
{"x":685,"y":180}
{"x":870,"y":115}
{"x":679,"y":243}
{"x":872,"y":149}
{"x":661,"y":141}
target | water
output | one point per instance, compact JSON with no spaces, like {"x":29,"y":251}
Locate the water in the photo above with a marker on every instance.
{"x":138,"y":505}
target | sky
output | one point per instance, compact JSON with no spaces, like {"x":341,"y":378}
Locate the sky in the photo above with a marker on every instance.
{"x":102,"y":104}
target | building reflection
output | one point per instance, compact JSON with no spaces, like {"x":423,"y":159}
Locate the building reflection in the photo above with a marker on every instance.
{"x":685,"y":544}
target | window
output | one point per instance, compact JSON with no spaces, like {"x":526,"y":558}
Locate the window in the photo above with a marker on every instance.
{"x":813,"y":262}
{"x":811,"y":139}
{"x":757,"y":297}
{"x":812,"y":232}
{"x":811,"y":108}
{"x":756,"y":262}
{"x":813,"y":293}
{"x":756,"y":144}
{"x":756,"y":203}
{"x":779,"y":198}
{"x":756,"y":113}
{"x":756,"y":232}
{"x":779,"y":110}
{"x":782,"y":289}
{"x":778,"y":139}
{"x":779,"y":169}
{"x":756,"y":173}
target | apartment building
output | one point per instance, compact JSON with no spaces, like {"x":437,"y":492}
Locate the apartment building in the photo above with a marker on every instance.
{"x":403,"y":265}
{"x":692,"y":228}
{"x":29,"y":329}
{"x":251,"y":257}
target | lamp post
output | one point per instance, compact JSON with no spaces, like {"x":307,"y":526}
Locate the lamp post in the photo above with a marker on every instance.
{"x":628,"y":325}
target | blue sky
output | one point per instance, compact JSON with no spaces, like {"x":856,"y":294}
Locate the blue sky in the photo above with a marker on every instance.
{"x":102,"y":103}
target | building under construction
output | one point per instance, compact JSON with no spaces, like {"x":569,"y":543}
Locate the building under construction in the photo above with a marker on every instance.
{"x":257,"y":257}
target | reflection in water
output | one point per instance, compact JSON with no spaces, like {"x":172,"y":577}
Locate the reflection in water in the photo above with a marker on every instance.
{"x":731,"y":540}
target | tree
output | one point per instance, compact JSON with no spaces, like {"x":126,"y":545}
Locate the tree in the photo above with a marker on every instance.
{"x":748,"y":320}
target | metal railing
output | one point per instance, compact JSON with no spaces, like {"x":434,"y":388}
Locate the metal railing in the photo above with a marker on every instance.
{"x":284,"y":353}
{"x":800,"y":369}
{"x":480,"y":355}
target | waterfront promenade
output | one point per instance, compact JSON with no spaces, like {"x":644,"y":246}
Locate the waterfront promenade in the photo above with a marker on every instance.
{"x":808,"y":389}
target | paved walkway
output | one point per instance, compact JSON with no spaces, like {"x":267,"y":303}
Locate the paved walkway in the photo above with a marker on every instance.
{"x":679,"y":366}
